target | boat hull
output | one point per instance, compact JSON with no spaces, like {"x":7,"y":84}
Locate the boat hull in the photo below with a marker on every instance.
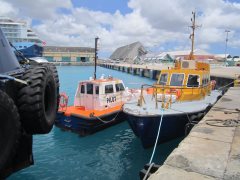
{"x":88,"y":125}
{"x":146,"y":127}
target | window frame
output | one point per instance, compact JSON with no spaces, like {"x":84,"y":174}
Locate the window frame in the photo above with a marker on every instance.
{"x":82,"y":85}
{"x":199,"y":83}
{"x":160,"y":79}
{"x":87,"y":91}
{"x":106,"y":86}
{"x":96,"y":87}
{"x":182,"y":81}
{"x":118,"y":86}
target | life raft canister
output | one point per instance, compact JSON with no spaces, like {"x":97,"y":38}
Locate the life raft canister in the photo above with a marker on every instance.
{"x":63,"y":100}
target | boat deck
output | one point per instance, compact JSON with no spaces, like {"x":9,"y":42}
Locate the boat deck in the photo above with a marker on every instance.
{"x":149,"y":108}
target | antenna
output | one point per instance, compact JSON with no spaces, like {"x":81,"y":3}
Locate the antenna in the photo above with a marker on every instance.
{"x":96,"y":57}
{"x":193,"y":26}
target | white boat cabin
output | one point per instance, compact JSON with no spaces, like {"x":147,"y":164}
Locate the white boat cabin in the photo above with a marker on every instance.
{"x":100,"y":94}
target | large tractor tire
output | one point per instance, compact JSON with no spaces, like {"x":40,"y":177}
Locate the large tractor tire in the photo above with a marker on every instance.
{"x":37,"y":101}
{"x":10,"y":128}
{"x":56,"y":78}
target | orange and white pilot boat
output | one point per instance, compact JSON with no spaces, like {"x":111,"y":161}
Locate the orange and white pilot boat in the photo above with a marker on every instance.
{"x":97,"y":105}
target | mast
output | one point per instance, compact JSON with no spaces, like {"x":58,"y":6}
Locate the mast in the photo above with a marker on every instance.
{"x":193,"y":26}
{"x":95,"y":58}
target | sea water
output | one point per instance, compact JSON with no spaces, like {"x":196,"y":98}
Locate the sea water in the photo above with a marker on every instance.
{"x":112,"y":154}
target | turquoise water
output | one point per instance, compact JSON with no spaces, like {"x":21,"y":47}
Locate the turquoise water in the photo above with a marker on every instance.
{"x":112,"y":154}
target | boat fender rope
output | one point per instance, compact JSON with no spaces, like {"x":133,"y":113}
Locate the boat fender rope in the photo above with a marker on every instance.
{"x":105,"y":122}
{"x":63,"y":101}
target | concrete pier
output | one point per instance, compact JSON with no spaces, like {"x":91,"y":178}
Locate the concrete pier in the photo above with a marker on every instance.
{"x":227,"y":74}
{"x":208,"y":152}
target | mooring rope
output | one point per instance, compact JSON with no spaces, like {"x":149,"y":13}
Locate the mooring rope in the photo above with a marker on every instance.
{"x":155,"y":145}
{"x":150,"y":167}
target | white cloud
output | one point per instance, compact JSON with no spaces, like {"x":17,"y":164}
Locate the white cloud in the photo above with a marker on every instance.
{"x":40,"y":9}
{"x":6,"y":9}
{"x":152,"y":22}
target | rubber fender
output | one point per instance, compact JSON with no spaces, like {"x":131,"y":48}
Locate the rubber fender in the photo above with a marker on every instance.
{"x":37,"y":101}
{"x":10,"y":129}
{"x":193,"y":117}
{"x":200,"y":116}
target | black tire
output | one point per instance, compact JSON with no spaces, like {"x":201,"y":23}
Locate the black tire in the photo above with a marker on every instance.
{"x":56,"y":78}
{"x":37,"y":102}
{"x":10,"y":128}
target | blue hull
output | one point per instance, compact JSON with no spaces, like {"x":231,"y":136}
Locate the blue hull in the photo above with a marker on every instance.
{"x":84,"y":125}
{"x":146,"y":127}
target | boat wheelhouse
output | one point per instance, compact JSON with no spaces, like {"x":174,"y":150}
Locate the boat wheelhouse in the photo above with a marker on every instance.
{"x":181,"y":97}
{"x":97,"y":105}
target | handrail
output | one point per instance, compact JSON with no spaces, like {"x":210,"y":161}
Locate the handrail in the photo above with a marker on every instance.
{"x":162,"y":88}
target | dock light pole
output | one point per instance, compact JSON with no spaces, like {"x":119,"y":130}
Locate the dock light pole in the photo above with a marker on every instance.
{"x":95,"y":58}
{"x":226,"y":31}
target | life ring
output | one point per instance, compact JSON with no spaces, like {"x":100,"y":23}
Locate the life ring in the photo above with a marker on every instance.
{"x":213,"y":84}
{"x":63,"y":100}
{"x":178,"y":93}
{"x":150,"y":90}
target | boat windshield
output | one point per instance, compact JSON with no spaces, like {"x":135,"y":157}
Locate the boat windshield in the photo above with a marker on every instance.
{"x":193,"y":80}
{"x":108,"y":89}
{"x":89,"y":88}
{"x":177,"y":80}
{"x":119,"y":87}
{"x":163,"y":79}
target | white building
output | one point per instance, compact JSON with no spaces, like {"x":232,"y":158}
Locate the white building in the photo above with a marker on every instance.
{"x":18,"y":31}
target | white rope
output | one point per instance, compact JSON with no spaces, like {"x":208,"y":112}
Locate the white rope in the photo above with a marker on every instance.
{"x":159,"y":128}
{"x":154,"y":149}
{"x":150,"y":167}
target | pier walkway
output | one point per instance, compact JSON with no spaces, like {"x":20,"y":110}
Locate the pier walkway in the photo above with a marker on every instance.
{"x":209,"y":152}
{"x":153,"y":70}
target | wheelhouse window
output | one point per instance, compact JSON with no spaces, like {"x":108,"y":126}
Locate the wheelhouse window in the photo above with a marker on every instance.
{"x":108,"y":89}
{"x":119,"y":87}
{"x":96,"y":89}
{"x":193,"y":81}
{"x":204,"y":80}
{"x":163,"y":79}
{"x":177,"y":80}
{"x":82,"y":89}
{"x":89,"y":88}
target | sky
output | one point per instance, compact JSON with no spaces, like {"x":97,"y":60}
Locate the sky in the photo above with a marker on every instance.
{"x":159,"y":25}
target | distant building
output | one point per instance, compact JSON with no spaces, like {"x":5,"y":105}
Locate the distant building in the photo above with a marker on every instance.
{"x":198,"y":54}
{"x":221,"y":57}
{"x":18,"y":31}
{"x":68,"y":54}
{"x":129,"y":53}
{"x":165,"y":57}
{"x":160,"y":58}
